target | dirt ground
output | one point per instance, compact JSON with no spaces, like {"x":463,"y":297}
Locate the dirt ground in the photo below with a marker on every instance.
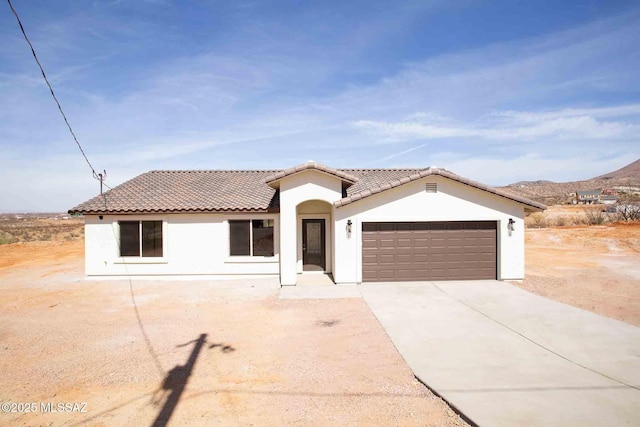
{"x":192,"y":353}
{"x":40,"y":227}
{"x":596,"y":268}
{"x":232,"y":353}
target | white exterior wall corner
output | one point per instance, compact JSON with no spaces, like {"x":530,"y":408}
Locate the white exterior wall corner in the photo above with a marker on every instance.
{"x":193,"y":244}
{"x":453,"y":201}
{"x":294,"y":190}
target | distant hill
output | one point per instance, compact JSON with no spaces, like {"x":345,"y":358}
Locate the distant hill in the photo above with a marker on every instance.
{"x":632,"y":170}
{"x":552,"y":193}
{"x":527,"y":183}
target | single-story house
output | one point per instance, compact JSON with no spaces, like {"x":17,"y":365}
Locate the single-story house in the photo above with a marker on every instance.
{"x":359,"y":225}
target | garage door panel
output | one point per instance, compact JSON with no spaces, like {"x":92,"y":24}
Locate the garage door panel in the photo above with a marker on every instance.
{"x":386,"y":274}
{"x":386,"y":227}
{"x":403,"y":274}
{"x":387,"y":243}
{"x":404,"y":242}
{"x":370,"y":243}
{"x":405,"y":258}
{"x":429,"y":251}
{"x":420,"y":258}
{"x":420,"y":242}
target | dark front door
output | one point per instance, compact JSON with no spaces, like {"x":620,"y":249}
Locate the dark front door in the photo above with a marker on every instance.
{"x":313,"y":245}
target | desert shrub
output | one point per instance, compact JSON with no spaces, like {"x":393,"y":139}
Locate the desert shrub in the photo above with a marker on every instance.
{"x":6,"y":238}
{"x":577,"y":220}
{"x":561,"y":221}
{"x":72,"y":236}
{"x":595,"y":216}
{"x":628,"y":212}
{"x":537,"y":220}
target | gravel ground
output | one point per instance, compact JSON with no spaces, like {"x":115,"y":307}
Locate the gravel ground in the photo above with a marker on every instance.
{"x":193,"y":352}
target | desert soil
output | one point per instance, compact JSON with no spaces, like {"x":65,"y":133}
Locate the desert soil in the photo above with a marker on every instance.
{"x":596,"y":268}
{"x":124,"y":349}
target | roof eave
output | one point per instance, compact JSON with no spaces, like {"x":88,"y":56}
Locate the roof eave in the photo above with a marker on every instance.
{"x":274,"y":180}
{"x":533,"y":206}
{"x":170,"y":211}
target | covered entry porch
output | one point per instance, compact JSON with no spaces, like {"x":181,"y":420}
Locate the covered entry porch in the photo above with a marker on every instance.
{"x":314,"y":243}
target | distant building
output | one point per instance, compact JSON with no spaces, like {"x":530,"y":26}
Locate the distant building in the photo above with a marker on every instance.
{"x":588,"y":197}
{"x":595,"y":196}
{"x":608,"y":199}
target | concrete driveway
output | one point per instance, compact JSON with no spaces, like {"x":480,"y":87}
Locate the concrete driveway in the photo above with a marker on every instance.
{"x":505,"y":357}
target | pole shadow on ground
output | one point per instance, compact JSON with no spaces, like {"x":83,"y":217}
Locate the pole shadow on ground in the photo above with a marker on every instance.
{"x":176,"y":380}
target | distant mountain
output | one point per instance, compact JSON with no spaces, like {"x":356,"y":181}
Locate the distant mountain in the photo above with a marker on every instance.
{"x":529,"y":183}
{"x":552,"y":193}
{"x":632,"y":170}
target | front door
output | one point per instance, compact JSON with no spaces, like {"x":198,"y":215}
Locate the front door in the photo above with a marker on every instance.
{"x":313,"y":245}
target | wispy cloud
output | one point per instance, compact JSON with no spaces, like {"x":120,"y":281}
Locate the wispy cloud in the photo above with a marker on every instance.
{"x":398,"y":154}
{"x":247,"y":87}
{"x":561,"y":125}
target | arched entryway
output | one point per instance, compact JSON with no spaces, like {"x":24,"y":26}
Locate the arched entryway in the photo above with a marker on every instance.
{"x":314,"y":241}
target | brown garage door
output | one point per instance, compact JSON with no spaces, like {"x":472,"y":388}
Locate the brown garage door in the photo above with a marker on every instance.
{"x":405,"y":251}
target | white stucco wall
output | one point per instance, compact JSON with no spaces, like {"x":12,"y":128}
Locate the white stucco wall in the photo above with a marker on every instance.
{"x":198,"y":244}
{"x":294,"y":190}
{"x":410,"y":202}
{"x":193,"y":244}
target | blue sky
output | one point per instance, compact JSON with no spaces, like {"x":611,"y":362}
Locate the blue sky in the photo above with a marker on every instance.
{"x":498,"y":91}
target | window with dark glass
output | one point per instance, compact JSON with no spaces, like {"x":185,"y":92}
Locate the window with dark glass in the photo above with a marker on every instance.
{"x":141,"y":238}
{"x":262,"y":237}
{"x":129,"y":238}
{"x":251,"y":237}
{"x":240,"y":238}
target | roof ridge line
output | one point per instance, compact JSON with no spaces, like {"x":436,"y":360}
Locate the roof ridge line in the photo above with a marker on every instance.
{"x":430,"y":172}
{"x":385,"y":169}
{"x":211,"y":170}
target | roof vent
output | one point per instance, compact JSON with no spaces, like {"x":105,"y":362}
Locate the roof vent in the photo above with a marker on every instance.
{"x":431,"y":187}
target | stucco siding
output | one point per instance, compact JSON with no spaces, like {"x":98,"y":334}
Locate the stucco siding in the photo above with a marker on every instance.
{"x":453,"y":201}
{"x":198,"y":244}
{"x":193,"y":244}
{"x":294,"y":190}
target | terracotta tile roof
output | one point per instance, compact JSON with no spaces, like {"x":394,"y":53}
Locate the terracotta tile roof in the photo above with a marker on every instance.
{"x":248,"y":191}
{"x":187,"y":191}
{"x":415,"y":174}
{"x":370,"y":178}
{"x":310,"y":165}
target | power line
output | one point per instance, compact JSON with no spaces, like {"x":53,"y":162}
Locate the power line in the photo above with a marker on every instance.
{"x":95,"y":175}
{"x":100,"y":177}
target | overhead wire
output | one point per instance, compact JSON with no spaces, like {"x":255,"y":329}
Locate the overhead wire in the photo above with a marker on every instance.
{"x":98,"y":176}
{"x":55,"y":98}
